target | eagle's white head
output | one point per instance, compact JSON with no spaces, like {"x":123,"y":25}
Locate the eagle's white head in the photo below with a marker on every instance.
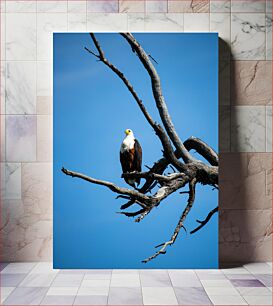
{"x":129,"y":133}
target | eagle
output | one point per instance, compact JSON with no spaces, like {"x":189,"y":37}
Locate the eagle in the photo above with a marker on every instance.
{"x":130,"y":156}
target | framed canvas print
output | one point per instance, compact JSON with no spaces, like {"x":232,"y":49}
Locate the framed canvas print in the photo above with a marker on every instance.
{"x":135,"y":150}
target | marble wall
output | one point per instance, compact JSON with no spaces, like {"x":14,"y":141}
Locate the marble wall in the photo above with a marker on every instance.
{"x":245,"y":111}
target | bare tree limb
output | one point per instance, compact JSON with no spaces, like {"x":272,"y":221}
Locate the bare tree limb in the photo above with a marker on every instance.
{"x":157,"y":127}
{"x":203,"y":149}
{"x":110,"y":185}
{"x":204,"y":222}
{"x":164,"y":245}
{"x":159,"y":98}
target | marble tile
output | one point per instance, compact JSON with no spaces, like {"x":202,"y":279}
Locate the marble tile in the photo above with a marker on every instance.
{"x":67,"y":280}
{"x":25,"y":296}
{"x":243,"y":178}
{"x":131,"y":6}
{"x":246,"y":283}
{"x":160,"y":22}
{"x":159,"y":6}
{"x":44,"y":105}
{"x":21,"y":6}
{"x":155,"y":280}
{"x":62,"y":291}
{"x":93,"y":291}
{"x":91,"y":300}
{"x":125,"y":296}
{"x":20,"y":36}
{"x":44,"y":138}
{"x":228,"y":291}
{"x":227,"y":300}
{"x":12,"y":173}
{"x":3,"y":265}
{"x":20,"y":88}
{"x":44,"y":268}
{"x":196,"y":22}
{"x":188,"y":6}
{"x":253,"y":291}
{"x":18,"y":267}
{"x":248,"y":36}
{"x":47,"y":23}
{"x":180,"y":280}
{"x":36,"y":189}
{"x":220,"y":23}
{"x":159,"y":296}
{"x":20,"y":138}
{"x":236,"y":271}
{"x":102,"y":6}
{"x":11,"y":280}
{"x":117,"y":272}
{"x":37,"y":280}
{"x":44,"y":78}
{"x":101,"y":22}
{"x":268,"y":128}
{"x":77,"y":6}
{"x":248,"y":129}
{"x":5,"y":292}
{"x":96,"y":283}
{"x":97,"y":276}
{"x":251,"y":83}
{"x":248,"y":6}
{"x":220,"y":6}
{"x":216,"y":283}
{"x":268,"y":23}
{"x":58,"y":300}
{"x":210,"y":275}
{"x":191,"y":296}
{"x":258,"y":268}
{"x":51,"y":6}
{"x":258,"y":299}
{"x":224,"y":128}
{"x":266,"y":279}
{"x":240,"y":276}
{"x":125,"y":280}
{"x":3,"y":36}
{"x":73,"y":271}
{"x":77,"y":22}
{"x":239,"y":240}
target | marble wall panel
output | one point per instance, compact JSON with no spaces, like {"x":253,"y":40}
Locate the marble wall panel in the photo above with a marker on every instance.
{"x":20,"y":93}
{"x":248,"y":129}
{"x":20,"y":138}
{"x":131,"y":6}
{"x":103,"y":6}
{"x":188,"y":6}
{"x":251,"y":83}
{"x":20,"y":36}
{"x":248,"y":36}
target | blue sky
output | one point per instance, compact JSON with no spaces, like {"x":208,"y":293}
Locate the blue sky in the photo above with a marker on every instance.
{"x":92,"y":108}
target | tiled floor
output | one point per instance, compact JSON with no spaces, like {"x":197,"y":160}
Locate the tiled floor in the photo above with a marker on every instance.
{"x":39,"y":284}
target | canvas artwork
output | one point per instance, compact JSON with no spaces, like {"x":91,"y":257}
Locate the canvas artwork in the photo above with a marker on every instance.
{"x":135,"y":150}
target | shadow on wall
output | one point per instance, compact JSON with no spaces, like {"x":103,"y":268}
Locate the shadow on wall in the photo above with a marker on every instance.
{"x":244,"y":234}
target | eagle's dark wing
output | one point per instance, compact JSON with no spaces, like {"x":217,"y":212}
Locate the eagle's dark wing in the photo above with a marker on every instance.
{"x":137,"y":158}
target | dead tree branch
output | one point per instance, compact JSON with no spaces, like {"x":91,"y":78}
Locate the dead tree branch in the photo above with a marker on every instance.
{"x":179,"y":224}
{"x":159,"y":98}
{"x":204,"y":222}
